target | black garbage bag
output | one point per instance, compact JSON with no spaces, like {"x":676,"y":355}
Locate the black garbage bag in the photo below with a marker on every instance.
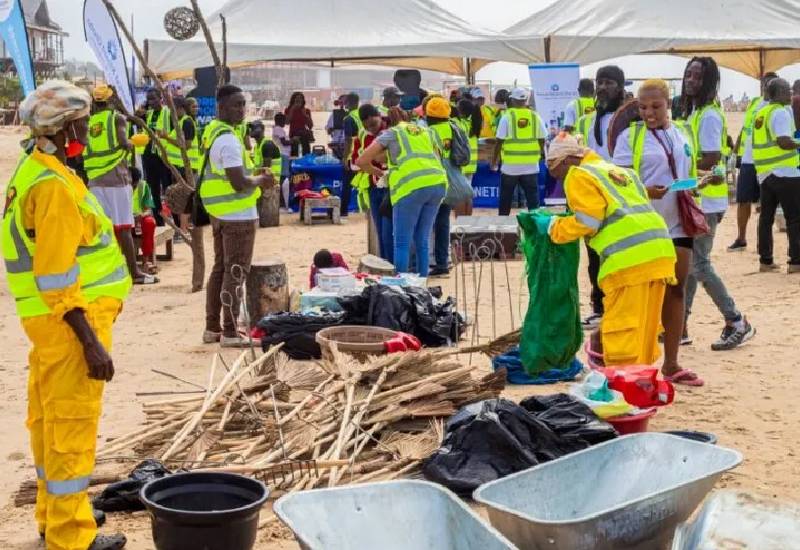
{"x":297,"y":332}
{"x":569,"y":418}
{"x":123,"y":496}
{"x":491,"y":439}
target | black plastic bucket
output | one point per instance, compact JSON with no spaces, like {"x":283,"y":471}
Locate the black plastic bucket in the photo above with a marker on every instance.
{"x":702,"y":437}
{"x":204,"y":511}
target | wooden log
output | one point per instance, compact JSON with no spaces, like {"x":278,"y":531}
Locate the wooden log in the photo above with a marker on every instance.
{"x":269,"y":207}
{"x":373,"y":244}
{"x":375,"y":265}
{"x":267,"y":289}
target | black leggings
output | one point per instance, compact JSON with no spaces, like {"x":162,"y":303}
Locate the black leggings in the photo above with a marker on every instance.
{"x":303,"y":143}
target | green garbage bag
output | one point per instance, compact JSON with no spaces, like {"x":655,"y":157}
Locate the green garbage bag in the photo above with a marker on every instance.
{"x":551,"y":331}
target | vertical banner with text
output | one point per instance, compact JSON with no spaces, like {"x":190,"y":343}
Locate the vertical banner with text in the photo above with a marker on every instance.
{"x":554,"y":86}
{"x":15,"y":36}
{"x":102,"y":36}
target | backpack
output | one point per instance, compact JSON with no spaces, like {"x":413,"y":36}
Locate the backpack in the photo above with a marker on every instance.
{"x":459,"y":147}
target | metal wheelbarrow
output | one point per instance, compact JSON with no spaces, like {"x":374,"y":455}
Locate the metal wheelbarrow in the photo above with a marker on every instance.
{"x":626,"y":493}
{"x":734,"y":520}
{"x":395,"y":515}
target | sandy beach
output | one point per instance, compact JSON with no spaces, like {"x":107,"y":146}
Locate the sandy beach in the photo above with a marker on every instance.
{"x":747,"y":402}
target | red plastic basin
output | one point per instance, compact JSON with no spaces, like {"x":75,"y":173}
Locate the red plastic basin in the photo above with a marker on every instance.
{"x":632,"y":423}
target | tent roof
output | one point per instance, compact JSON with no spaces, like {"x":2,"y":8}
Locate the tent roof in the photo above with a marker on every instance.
{"x":416,"y":33}
{"x":751,"y":36}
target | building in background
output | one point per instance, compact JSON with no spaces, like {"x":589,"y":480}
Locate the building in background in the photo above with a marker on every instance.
{"x":46,"y":38}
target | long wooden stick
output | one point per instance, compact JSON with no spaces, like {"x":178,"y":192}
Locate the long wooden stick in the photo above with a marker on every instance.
{"x":209,"y":42}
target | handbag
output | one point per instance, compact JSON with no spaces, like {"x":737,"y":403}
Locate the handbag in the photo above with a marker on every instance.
{"x":459,"y":189}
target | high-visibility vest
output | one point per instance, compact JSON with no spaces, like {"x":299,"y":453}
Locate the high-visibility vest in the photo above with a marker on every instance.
{"x":161,"y":123}
{"x":631,"y":232}
{"x":136,"y":150}
{"x":749,"y":120}
{"x":443,"y":137}
{"x":362,"y":133}
{"x":258,"y":161}
{"x":710,"y":191}
{"x":100,"y":266}
{"x":138,"y":197}
{"x":416,"y":165}
{"x":767,"y":154}
{"x":585,"y":126}
{"x":521,"y":146}
{"x":103,"y":150}
{"x":218,"y":195}
{"x":466,"y":125}
{"x":636,"y":137}
{"x":383,"y":110}
{"x":192,"y":147}
{"x":583,"y":106}
{"x":489,"y":121}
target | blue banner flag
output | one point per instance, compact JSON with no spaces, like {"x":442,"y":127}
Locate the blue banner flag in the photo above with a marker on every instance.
{"x":15,"y":36}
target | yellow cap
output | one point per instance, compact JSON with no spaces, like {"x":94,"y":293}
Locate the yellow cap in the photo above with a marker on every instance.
{"x":438,"y":107}
{"x":140,"y":140}
{"x":102,"y":92}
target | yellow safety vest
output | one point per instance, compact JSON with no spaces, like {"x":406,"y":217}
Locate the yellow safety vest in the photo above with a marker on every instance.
{"x":767,"y":154}
{"x":585,"y":126}
{"x":583,"y":106}
{"x":161,"y":123}
{"x":747,"y":127}
{"x":489,"y":121}
{"x":138,"y":196}
{"x":192,"y":147}
{"x":383,"y":110}
{"x":466,"y":125}
{"x":631,"y":232}
{"x":218,"y":195}
{"x":416,"y":165}
{"x":100,"y":266}
{"x":710,"y":191}
{"x":636,"y":137}
{"x":521,"y":146}
{"x":362,"y":133}
{"x":103,"y":151}
{"x":258,"y":161}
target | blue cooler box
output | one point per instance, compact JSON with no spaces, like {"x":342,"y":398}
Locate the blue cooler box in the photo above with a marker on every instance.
{"x":486,"y":187}
{"x":328,"y":175}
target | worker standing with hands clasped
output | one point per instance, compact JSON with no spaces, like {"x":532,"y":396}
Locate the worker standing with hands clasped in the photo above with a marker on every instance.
{"x":611,"y":206}
{"x":69,"y":279}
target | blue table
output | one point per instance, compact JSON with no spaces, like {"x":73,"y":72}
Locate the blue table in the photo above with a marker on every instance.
{"x":321,"y":175}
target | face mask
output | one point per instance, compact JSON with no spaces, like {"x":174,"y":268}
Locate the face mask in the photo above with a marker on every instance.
{"x":46,"y":146}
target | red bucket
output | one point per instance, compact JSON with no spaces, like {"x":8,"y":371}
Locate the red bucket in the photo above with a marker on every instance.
{"x":632,"y":423}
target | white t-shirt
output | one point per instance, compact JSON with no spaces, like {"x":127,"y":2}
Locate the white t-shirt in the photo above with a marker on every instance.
{"x":605,"y":121}
{"x":710,"y":137}
{"x":782,"y":124}
{"x":226,"y":152}
{"x":571,"y":114}
{"x":519,"y":169}
{"x":278,"y":134}
{"x":747,"y":136}
{"x":654,"y":169}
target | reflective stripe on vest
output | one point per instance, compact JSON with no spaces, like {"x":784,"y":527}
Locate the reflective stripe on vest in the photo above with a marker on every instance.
{"x":767,"y":154}
{"x":218,"y":195}
{"x":192,"y":147}
{"x":637,"y":134}
{"x":103,"y":151}
{"x":585,"y":125}
{"x":416,"y":166}
{"x":747,"y":127}
{"x":521,"y":146}
{"x":101,"y":268}
{"x":68,"y":486}
{"x":362,"y":133}
{"x":632,"y":233}
{"x":710,"y":191}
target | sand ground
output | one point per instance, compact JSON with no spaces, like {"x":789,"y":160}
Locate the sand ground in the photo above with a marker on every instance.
{"x":748,"y":401}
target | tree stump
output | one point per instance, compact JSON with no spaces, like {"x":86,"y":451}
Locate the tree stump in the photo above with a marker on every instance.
{"x":267,"y":289}
{"x":375,"y":265}
{"x":269,"y":207}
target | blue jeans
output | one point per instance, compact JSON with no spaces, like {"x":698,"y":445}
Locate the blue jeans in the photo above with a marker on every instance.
{"x":413,"y":218}
{"x":703,"y":272}
{"x":441,"y":232}
{"x":383,"y":225}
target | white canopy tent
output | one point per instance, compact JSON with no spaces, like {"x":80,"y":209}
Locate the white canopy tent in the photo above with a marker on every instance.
{"x":750,"y":36}
{"x":404,"y":33}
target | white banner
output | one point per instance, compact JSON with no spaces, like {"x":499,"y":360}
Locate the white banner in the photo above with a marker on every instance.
{"x":102,"y":36}
{"x":554,"y":86}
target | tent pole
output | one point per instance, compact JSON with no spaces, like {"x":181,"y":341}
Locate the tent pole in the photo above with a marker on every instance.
{"x":547,"y":49}
{"x":761,"y":64}
{"x":470,"y":76}
{"x":224,"y":45}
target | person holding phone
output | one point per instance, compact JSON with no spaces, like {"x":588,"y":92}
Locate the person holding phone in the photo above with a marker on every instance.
{"x":659,"y":153}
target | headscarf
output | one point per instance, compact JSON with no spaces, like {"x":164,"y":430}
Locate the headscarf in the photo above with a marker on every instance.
{"x":50,"y":106}
{"x":563,"y":146}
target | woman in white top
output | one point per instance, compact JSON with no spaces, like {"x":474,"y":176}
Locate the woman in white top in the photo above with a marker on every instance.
{"x":661,"y":154}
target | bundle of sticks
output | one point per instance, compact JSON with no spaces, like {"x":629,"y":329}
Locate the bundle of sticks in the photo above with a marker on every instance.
{"x":333,"y":422}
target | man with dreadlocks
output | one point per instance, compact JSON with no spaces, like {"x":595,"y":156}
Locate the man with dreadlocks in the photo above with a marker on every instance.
{"x":710,"y":136}
{"x":610,"y":86}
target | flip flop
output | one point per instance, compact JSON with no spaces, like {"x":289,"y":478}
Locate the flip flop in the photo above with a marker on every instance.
{"x":685,"y":377}
{"x":146,"y":280}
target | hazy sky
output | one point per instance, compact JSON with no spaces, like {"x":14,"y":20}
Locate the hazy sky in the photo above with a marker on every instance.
{"x":148,"y":20}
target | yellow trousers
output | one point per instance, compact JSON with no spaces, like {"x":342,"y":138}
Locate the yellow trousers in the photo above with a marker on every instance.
{"x":631,"y":323}
{"x":63,"y":412}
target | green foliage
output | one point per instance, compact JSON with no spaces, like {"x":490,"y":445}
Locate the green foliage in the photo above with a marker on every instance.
{"x":10,"y":91}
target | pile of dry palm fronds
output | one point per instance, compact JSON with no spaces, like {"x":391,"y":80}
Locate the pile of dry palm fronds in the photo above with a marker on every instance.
{"x":346,"y":421}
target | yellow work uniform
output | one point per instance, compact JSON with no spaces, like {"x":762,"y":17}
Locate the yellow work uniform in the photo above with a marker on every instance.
{"x":63,"y":402}
{"x":633,"y":295}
